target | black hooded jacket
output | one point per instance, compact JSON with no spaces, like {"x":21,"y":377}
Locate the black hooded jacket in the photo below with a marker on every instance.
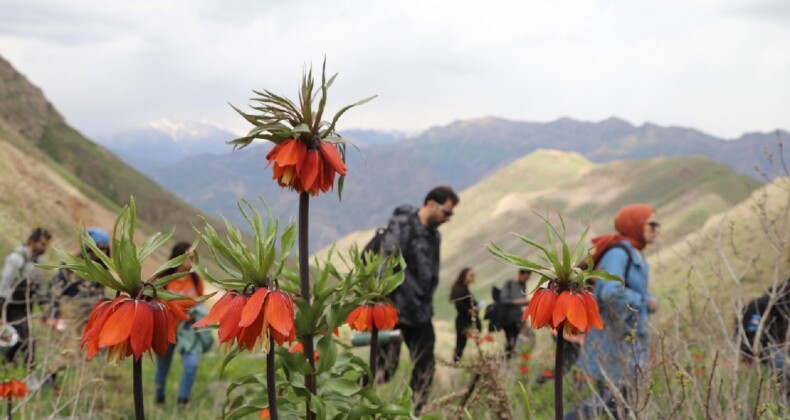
{"x":420,"y":249}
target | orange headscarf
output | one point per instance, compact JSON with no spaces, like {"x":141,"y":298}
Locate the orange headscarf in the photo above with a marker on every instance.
{"x":629,"y":224}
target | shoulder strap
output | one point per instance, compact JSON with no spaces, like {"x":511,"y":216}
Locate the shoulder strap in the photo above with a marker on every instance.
{"x":628,"y":263}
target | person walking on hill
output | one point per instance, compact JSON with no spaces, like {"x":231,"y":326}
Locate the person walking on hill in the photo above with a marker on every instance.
{"x":514,"y":300}
{"x":413,"y":233}
{"x":618,"y":353}
{"x":20,"y":283}
{"x":467,"y":318}
{"x":189,"y":343}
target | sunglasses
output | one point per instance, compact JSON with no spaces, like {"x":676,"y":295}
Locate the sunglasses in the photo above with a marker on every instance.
{"x":447,"y":213}
{"x":654,"y":225}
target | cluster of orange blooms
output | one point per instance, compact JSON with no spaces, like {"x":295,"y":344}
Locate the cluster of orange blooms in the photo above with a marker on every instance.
{"x":578,"y":308}
{"x":111,"y":323}
{"x":13,"y":389}
{"x":252,"y":320}
{"x":380,"y":315}
{"x":306,"y":170}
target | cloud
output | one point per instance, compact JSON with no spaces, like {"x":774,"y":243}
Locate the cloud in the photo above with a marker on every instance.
{"x":715,"y":65}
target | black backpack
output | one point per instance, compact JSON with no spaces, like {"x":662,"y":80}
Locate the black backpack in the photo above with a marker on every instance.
{"x":752,"y":314}
{"x":374,"y":245}
{"x":494,"y":311}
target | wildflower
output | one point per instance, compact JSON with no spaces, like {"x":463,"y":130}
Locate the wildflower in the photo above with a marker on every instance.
{"x":13,"y":389}
{"x":541,"y":307}
{"x":382,"y":316}
{"x":264,"y":413}
{"x":548,"y":373}
{"x":524,"y":369}
{"x":251,"y":321}
{"x":525,"y":357}
{"x":303,"y":168}
{"x":111,"y":323}
{"x":580,"y":311}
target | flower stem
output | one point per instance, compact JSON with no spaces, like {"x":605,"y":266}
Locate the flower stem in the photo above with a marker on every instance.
{"x":374,"y":353}
{"x":137,"y":388}
{"x":271,"y":386}
{"x":558,"y":414}
{"x":304,"y":285}
{"x":10,"y":411}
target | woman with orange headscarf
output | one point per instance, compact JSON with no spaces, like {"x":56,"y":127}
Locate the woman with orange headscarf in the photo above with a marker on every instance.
{"x":612,"y":355}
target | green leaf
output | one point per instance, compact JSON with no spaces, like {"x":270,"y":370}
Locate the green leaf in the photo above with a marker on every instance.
{"x":341,"y":386}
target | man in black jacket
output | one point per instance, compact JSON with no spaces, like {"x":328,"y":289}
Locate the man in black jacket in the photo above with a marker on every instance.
{"x":413,"y":233}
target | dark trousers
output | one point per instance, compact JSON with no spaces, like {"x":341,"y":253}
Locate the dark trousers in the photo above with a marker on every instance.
{"x":462,"y":327}
{"x":511,"y":337}
{"x":16,"y":316}
{"x":421,"y":340}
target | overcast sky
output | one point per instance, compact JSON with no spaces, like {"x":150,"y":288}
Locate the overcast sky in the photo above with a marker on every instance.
{"x":720,"y":66}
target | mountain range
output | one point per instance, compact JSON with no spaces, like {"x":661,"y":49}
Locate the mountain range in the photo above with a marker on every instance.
{"x":54,"y":177}
{"x":386,"y":174}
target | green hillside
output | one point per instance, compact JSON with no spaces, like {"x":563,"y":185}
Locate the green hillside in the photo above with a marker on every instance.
{"x":34,"y":132}
{"x":686,"y":192}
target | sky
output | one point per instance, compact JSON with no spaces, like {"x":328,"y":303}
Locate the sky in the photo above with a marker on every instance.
{"x":718,"y":66}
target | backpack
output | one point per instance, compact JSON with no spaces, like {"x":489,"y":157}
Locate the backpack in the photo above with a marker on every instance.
{"x":375,"y":243}
{"x":628,"y":264}
{"x":751,"y":315}
{"x":494,"y":312}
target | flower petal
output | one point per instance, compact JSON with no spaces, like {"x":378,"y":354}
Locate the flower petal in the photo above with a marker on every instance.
{"x":229,"y":324}
{"x":159,"y":337}
{"x":143,"y":325}
{"x":217,"y":311}
{"x":308,"y":171}
{"x":279,"y":313}
{"x":332,"y":157}
{"x":560,"y":309}
{"x":253,"y":307}
{"x":577,"y":312}
{"x":593,"y":314}
{"x":118,"y":326}
{"x":545,"y":309}
{"x":292,"y":152}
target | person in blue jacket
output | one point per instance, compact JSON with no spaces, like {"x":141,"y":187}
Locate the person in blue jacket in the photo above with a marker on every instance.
{"x":617,"y":355}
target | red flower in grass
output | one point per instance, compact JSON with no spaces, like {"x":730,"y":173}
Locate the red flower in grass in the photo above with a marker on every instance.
{"x":264,"y":413}
{"x":250,"y":321}
{"x":540,"y":308}
{"x":304,"y":169}
{"x":524,"y":369}
{"x":580,"y":311}
{"x":364,"y":317}
{"x":13,"y":389}
{"x":525,"y":357}
{"x":548,"y":373}
{"x":111,"y":323}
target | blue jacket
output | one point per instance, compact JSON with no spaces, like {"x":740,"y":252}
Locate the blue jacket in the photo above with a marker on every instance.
{"x":615,"y":351}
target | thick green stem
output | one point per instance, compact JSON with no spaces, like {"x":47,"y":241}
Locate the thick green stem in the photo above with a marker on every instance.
{"x":558,"y":373}
{"x":137,"y":388}
{"x":271,"y":385}
{"x":304,"y":285}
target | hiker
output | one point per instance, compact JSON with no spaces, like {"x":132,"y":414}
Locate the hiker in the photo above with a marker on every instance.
{"x":769,"y":344}
{"x":71,"y":300}
{"x":466,"y":305}
{"x":20,"y":282}
{"x":613,"y":356}
{"x":413,"y":233}
{"x":514,"y":300}
{"x":190,"y":344}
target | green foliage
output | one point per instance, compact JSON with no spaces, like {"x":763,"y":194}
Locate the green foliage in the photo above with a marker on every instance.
{"x":280,"y":119}
{"x":243,"y":264}
{"x":561,"y":266}
{"x":121,"y":270}
{"x":338,"y":372}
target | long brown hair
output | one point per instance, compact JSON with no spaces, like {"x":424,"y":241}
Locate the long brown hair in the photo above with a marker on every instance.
{"x":460,"y":289}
